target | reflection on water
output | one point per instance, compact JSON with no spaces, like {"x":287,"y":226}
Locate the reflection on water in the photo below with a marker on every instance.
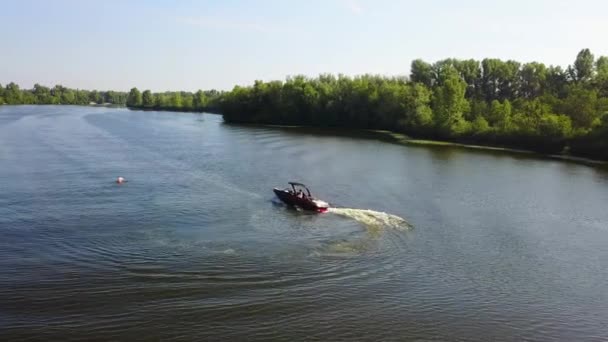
{"x":195,"y":246}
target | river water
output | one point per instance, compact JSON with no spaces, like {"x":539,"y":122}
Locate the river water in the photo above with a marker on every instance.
{"x":423,"y":244}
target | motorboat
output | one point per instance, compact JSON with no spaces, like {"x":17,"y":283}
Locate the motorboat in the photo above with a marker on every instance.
{"x":299,"y":196}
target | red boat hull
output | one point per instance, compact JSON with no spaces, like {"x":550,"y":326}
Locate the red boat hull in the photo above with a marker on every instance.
{"x":304,"y":202}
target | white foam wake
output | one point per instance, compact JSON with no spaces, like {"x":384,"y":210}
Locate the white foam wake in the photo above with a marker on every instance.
{"x":373,"y":218}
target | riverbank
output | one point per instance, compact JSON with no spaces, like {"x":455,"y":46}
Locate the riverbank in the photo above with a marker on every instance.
{"x":211,"y":110}
{"x":404,"y":139}
{"x":420,"y":142}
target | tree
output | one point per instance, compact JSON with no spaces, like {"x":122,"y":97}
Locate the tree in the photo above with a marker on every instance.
{"x":594,"y":144}
{"x":601,"y":76}
{"x":419,"y":115}
{"x":421,"y":72}
{"x":12,"y":94}
{"x":134,"y":99}
{"x":500,"y":80}
{"x":82,"y":97}
{"x":527,"y":116}
{"x":491,"y":78}
{"x":200,"y":100}
{"x":42,"y":94}
{"x":118,"y":98}
{"x":56,"y":93}
{"x":95,"y":97}
{"x":554,"y":127}
{"x":509,"y":80}
{"x":176,"y":100}
{"x":532,"y":80}
{"x":601,"y":67}
{"x":470,"y":71}
{"x":479,"y":125}
{"x":479,"y":107}
{"x":110,"y":97}
{"x":581,"y":107}
{"x":187,"y":101}
{"x":161,"y":101}
{"x":583,"y":66}
{"x":147,"y":99}
{"x":450,"y":104}
{"x":557,"y":81}
{"x":499,"y":114}
{"x":68,"y":97}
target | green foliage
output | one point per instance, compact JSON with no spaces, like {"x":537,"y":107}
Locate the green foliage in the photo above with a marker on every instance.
{"x":59,"y":94}
{"x":42,"y":94}
{"x":95,"y":97}
{"x":178,"y":101}
{"x":115,"y":97}
{"x":418,"y":114}
{"x":532,"y":78}
{"x":594,"y":144}
{"x":499,"y":114}
{"x":470,"y":71}
{"x":531,"y":105}
{"x":581,"y":105}
{"x":135,"y":98}
{"x":500,"y":80}
{"x":450,"y":104}
{"x":554,"y":127}
{"x":161,"y":101}
{"x":421,"y":72}
{"x":480,"y":125}
{"x":12,"y":94}
{"x":200,"y":100}
{"x":499,"y":102}
{"x":601,"y":66}
{"x":187,"y":102}
{"x":68,"y":96}
{"x":583,"y":66}
{"x":601,"y":77}
{"x":557,"y":81}
{"x":147,"y":99}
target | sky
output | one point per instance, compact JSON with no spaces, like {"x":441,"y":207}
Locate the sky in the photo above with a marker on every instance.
{"x":188,"y":45}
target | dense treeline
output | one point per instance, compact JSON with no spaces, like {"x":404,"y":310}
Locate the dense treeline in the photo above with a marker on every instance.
{"x":506,"y":103}
{"x":175,"y":101}
{"x":12,"y":94}
{"x":496,"y":102}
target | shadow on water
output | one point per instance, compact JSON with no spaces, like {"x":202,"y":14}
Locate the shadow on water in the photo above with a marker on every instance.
{"x":442,"y":150}
{"x":349,"y":133}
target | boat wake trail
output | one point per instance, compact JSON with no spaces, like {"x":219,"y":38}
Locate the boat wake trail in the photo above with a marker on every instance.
{"x":372,"y":218}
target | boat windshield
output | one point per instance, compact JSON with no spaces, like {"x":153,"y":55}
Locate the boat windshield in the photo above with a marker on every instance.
{"x":300,"y":188}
